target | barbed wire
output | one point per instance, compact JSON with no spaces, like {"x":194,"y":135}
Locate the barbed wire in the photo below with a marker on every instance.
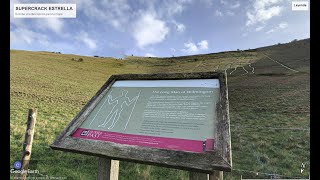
{"x":267,"y":174}
{"x":273,"y":128}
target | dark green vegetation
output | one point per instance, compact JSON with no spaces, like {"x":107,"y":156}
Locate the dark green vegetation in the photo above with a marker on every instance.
{"x":269,"y":107}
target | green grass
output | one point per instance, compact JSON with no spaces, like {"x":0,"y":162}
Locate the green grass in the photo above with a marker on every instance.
{"x":263,"y":108}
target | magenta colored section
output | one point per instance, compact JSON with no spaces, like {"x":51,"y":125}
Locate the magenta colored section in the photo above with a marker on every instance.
{"x":148,"y":141}
{"x":209,"y":144}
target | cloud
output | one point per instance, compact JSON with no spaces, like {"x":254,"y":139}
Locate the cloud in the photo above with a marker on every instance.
{"x":54,"y":24}
{"x":173,"y":7}
{"x":244,"y":34}
{"x":148,"y":22}
{"x":230,"y":5}
{"x":150,"y":26}
{"x":203,"y":44}
{"x":235,"y":5}
{"x":259,"y":28}
{"x":282,"y":25}
{"x":148,"y":30}
{"x":223,"y":2}
{"x":145,"y":20}
{"x":181,"y":27}
{"x":115,"y":13}
{"x":91,"y":10}
{"x":263,"y":11}
{"x":228,"y":8}
{"x":218,"y":13}
{"x":230,"y":13}
{"x":270,"y":31}
{"x":191,"y":48}
{"x":149,"y":55}
{"x":208,"y":2}
{"x":23,"y":36}
{"x":15,"y":21}
{"x":89,"y":42}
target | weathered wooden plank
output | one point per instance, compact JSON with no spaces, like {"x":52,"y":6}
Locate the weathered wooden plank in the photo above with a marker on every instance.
{"x":202,"y":162}
{"x":27,"y":144}
{"x":223,"y":126}
{"x":108,"y":169}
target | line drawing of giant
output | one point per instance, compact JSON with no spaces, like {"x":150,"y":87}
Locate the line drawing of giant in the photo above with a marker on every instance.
{"x":115,"y":113}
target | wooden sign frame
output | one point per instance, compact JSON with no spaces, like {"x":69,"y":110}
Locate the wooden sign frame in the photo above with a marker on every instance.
{"x":219,"y":159}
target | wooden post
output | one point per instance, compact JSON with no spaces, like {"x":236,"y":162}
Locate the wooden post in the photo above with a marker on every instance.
{"x":198,"y":176}
{"x":216,"y":175}
{"x":27,"y":144}
{"x":108,"y":169}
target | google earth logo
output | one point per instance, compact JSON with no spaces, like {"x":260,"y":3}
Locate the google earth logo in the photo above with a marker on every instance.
{"x":17,"y":165}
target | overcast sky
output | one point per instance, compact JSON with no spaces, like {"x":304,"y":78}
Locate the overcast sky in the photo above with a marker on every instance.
{"x":163,"y":28}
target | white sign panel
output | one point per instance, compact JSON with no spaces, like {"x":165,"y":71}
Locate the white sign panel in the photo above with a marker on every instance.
{"x":45,"y":11}
{"x":300,"y":6}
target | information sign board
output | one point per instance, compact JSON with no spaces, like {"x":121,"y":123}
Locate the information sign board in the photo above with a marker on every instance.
{"x":178,"y":120}
{"x":169,"y":114}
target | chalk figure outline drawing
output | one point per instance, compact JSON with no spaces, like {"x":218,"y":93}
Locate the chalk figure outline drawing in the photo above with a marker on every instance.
{"x":115,"y":113}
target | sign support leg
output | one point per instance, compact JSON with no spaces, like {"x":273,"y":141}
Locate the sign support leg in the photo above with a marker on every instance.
{"x":108,"y":169}
{"x":197,"y":176}
{"x":216,"y":175}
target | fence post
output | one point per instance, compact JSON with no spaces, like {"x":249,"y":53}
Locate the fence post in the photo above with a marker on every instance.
{"x":108,"y":169}
{"x":27,"y":144}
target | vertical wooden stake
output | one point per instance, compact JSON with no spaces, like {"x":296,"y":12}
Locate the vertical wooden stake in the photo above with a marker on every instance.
{"x":197,"y":176}
{"x":108,"y":169}
{"x":216,"y":175}
{"x":27,"y":144}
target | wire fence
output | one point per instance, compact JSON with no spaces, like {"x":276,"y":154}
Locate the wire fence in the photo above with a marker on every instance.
{"x":270,"y":175}
{"x":270,"y":128}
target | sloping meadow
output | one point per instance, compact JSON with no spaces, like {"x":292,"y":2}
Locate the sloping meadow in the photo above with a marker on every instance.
{"x":269,"y":107}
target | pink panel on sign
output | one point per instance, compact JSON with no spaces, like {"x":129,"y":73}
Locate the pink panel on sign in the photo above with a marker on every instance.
{"x":209,"y":144}
{"x":148,"y":141}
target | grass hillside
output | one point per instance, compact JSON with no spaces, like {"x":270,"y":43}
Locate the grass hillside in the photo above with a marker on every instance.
{"x":269,"y":100}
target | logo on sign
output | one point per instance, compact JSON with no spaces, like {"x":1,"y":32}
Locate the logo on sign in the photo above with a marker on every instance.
{"x":204,"y":144}
{"x":84,"y":133}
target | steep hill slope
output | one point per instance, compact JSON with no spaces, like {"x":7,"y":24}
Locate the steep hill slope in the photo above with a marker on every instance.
{"x":269,"y":92}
